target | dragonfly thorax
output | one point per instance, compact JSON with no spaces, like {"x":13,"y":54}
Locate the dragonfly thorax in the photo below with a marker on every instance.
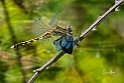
{"x":60,"y":30}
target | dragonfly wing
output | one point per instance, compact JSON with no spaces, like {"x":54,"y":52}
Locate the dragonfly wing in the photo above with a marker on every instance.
{"x":39,"y":27}
{"x":60,"y":43}
{"x":57,"y":44}
{"x":53,"y":21}
{"x":69,"y":45}
{"x":64,"y":43}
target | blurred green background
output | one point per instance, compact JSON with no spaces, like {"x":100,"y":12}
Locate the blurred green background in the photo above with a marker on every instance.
{"x":98,"y":59}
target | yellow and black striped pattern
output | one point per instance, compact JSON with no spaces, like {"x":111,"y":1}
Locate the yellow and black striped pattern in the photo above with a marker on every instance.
{"x":26,"y":42}
{"x":46,"y":35}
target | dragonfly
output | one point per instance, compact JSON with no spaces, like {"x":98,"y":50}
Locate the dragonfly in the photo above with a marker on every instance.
{"x":65,"y":42}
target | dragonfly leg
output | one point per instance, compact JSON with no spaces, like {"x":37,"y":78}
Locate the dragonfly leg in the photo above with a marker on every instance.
{"x":76,"y":42}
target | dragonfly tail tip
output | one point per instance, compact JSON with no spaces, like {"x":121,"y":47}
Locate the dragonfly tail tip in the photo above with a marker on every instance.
{"x":12,"y":47}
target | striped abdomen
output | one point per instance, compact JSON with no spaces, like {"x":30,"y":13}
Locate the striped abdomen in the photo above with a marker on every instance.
{"x":46,"y":35}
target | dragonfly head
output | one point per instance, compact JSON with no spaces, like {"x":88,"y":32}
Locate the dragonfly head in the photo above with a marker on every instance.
{"x":69,"y":28}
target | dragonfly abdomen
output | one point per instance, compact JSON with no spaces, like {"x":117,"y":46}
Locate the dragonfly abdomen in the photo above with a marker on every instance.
{"x":46,"y":35}
{"x":26,"y":42}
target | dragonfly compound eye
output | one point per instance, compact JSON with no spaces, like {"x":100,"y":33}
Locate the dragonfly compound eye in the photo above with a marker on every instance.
{"x":69,"y":28}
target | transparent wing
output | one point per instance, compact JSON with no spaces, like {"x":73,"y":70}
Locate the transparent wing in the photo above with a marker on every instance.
{"x":54,"y":19}
{"x":39,"y":27}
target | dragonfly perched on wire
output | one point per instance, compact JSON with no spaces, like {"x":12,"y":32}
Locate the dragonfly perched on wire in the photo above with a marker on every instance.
{"x":65,"y":42}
